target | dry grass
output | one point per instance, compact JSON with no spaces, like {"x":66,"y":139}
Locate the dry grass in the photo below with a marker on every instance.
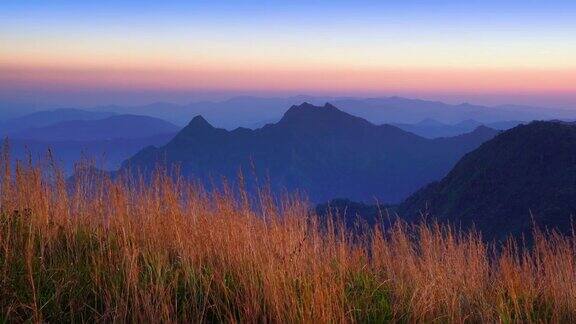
{"x":172,"y":252}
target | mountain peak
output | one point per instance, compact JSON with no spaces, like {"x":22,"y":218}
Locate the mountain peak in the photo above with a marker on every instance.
{"x":309,"y":113}
{"x":306,"y":106}
{"x":197,"y":126}
{"x":329,"y":106}
{"x":199,"y":122}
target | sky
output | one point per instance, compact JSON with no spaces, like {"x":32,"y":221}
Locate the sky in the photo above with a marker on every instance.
{"x":491,"y":51}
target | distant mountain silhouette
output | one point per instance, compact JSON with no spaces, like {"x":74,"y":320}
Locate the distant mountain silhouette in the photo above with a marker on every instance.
{"x":524,"y":175}
{"x":249,"y":111}
{"x":405,"y":110}
{"x":431,"y":128}
{"x":45,"y":118}
{"x":321,"y":150}
{"x":120,"y":126}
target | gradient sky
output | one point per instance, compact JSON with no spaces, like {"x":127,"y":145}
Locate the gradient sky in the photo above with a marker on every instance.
{"x":446,"y":47}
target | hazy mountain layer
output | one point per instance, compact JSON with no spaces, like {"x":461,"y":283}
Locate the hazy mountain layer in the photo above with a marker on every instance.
{"x":431,"y":128}
{"x":255,"y":112}
{"x":49,"y":117}
{"x":115,"y":127}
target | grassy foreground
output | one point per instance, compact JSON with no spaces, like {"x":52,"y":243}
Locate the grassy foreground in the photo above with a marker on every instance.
{"x":172,"y":252}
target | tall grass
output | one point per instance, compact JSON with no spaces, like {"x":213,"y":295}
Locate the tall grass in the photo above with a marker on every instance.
{"x":168,"y":251}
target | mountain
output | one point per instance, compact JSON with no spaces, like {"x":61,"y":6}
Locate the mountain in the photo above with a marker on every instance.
{"x":319,"y":149}
{"x":49,"y":117}
{"x":12,"y":110}
{"x":121,"y":126}
{"x":524,"y":175}
{"x":431,"y":128}
{"x":405,"y":110}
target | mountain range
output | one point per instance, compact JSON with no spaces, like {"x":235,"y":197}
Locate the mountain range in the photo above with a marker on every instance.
{"x":468,"y":173}
{"x":255,"y":112}
{"x":320,"y":150}
{"x":431,"y":128}
{"x":49,"y":117}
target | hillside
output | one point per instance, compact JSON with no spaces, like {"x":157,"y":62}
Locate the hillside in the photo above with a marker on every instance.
{"x":114,"y":127}
{"x":321,"y":150}
{"x":524,"y":175}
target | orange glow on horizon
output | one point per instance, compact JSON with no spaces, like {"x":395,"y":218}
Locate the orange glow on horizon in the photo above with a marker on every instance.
{"x":320,"y":79}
